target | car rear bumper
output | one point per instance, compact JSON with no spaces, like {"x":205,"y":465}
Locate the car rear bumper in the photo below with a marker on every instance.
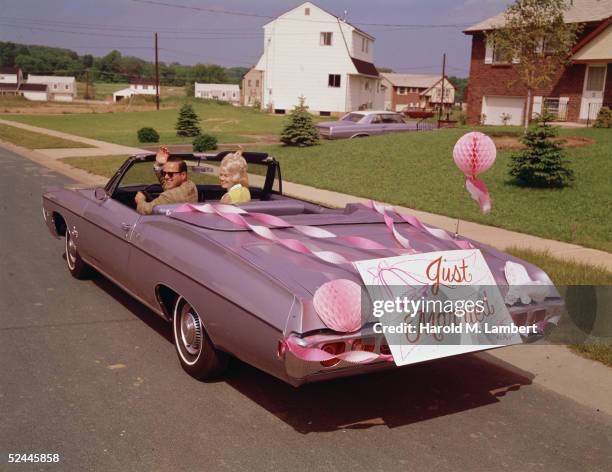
{"x":544,"y":315}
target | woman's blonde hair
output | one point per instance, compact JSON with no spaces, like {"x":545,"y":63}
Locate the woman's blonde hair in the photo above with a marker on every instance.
{"x":236,"y":167}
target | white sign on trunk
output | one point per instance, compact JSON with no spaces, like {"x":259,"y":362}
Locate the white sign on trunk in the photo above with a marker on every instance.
{"x":437,"y":304}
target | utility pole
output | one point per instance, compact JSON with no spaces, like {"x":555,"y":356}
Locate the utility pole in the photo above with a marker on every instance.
{"x":156,"y":74}
{"x":442,"y":98}
{"x":87,"y":86}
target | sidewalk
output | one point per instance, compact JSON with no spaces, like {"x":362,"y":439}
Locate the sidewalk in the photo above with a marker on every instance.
{"x":552,"y":367}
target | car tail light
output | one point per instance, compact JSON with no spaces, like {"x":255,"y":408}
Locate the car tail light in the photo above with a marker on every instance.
{"x":385,"y":350}
{"x":364,"y":345}
{"x":334,"y":349}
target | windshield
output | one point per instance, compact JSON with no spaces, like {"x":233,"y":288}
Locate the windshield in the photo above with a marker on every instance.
{"x":354,"y":117}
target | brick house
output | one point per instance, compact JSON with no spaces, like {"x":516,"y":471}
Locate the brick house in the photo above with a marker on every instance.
{"x":412,"y":91}
{"x":576,"y":92}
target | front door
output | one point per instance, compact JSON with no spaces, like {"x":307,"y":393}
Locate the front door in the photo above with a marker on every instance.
{"x":592,"y":93}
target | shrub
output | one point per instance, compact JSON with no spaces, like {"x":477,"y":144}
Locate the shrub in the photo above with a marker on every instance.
{"x":300,"y":129}
{"x":542,"y":163}
{"x":148,"y":135}
{"x":204,"y":142}
{"x":604,"y":118}
{"x":187,"y":123}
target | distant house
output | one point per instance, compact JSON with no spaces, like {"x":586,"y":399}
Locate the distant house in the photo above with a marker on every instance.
{"x":412,"y":91}
{"x":311,"y":53}
{"x":223,"y":92}
{"x":59,"y":88}
{"x":10,"y":79}
{"x":12,"y":83}
{"x":577,"y":90}
{"x":137,"y":87}
{"x":252,"y":87}
{"x":36,"y":92}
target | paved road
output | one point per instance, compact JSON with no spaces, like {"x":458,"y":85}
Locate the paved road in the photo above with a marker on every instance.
{"x":90,"y":374}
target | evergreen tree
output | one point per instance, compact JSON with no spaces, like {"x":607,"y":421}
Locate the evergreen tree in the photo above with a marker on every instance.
{"x":542,"y":164}
{"x":300,"y":130}
{"x":187,"y":123}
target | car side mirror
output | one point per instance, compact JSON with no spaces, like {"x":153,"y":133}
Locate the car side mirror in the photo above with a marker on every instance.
{"x":100,"y":193}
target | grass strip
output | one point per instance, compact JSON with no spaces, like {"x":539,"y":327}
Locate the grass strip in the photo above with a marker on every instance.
{"x":33,"y":140}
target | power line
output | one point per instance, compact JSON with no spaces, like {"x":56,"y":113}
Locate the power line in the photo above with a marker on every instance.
{"x":268,"y":17}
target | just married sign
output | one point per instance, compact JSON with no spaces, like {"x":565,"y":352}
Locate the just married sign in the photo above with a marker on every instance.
{"x":436,"y":304}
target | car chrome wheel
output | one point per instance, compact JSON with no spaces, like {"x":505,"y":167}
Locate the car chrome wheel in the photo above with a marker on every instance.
{"x":196,"y":352}
{"x":71,"y":251}
{"x":77,"y":267}
{"x":191,"y":331}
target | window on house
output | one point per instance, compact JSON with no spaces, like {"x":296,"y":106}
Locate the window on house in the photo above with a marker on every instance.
{"x":595,"y":78}
{"x":494,"y":55}
{"x":307,"y":11}
{"x":333,"y":80}
{"x":257,"y":83}
{"x":367,"y":85}
{"x":402,"y":90}
{"x":326,"y":38}
{"x":249,"y":83}
{"x":365,"y":45}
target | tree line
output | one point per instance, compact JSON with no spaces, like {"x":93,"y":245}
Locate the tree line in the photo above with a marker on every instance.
{"x":113,"y":67}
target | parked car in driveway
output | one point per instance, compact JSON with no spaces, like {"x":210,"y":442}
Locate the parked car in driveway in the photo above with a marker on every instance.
{"x":360,"y":124}
{"x":241,"y":280}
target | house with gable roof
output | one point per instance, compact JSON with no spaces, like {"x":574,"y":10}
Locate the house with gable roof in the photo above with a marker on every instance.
{"x":311,"y":53}
{"x":416,"y":91}
{"x":577,"y":91}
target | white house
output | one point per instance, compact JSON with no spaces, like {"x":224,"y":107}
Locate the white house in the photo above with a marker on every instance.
{"x":10,"y":75}
{"x":224,"y":92}
{"x":59,"y":88}
{"x":314,"y":54}
{"x":35,"y":92}
{"x":137,"y":87}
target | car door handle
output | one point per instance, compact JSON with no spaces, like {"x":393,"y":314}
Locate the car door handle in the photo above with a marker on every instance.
{"x":126,"y":226}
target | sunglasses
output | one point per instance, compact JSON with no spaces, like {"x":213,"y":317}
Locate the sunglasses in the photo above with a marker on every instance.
{"x":169,"y":174}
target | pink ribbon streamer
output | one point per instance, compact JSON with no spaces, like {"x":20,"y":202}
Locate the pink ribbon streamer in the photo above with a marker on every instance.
{"x":314,"y":354}
{"x":479,"y":192}
{"x":414,"y":221}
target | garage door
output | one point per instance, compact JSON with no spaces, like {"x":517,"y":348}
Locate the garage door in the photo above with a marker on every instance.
{"x":495,"y":108}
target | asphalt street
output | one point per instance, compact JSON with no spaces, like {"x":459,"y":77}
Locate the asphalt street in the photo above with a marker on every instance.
{"x":91,"y":375}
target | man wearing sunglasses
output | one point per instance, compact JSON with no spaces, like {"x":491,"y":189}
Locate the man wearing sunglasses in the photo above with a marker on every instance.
{"x":177,"y":187}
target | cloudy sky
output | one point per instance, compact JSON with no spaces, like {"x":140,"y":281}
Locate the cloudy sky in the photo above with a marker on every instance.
{"x":231,"y":35}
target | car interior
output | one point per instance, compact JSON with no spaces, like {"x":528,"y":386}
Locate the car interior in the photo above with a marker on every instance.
{"x":138,"y":176}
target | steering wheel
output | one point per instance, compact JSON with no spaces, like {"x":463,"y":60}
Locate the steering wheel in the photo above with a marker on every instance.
{"x":147,"y":192}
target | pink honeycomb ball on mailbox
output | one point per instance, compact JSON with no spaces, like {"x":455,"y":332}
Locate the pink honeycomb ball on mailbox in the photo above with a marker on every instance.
{"x":474,"y":153}
{"x":338,"y":304}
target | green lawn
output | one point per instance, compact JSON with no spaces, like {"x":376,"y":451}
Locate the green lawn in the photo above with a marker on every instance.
{"x":31,"y":140}
{"x":416,"y":170}
{"x":228,"y":123}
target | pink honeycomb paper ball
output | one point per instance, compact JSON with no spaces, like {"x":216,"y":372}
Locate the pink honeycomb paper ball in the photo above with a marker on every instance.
{"x":474,"y":153}
{"x":338,"y":304}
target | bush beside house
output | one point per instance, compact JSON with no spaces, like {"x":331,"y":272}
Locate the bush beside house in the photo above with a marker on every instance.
{"x":542,"y":164}
{"x":300,"y":129}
